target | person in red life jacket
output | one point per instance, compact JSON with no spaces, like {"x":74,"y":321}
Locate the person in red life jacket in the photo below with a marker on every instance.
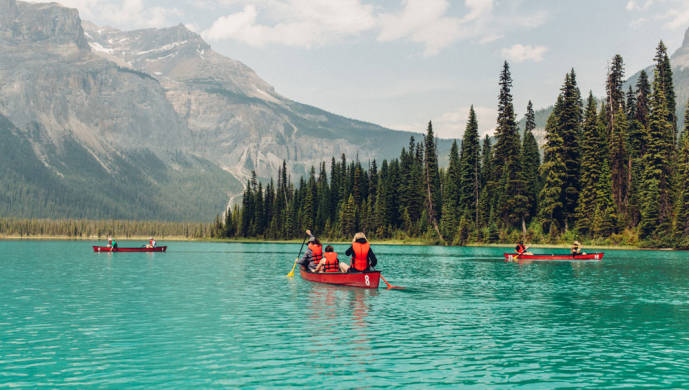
{"x":151,"y":243}
{"x":363,"y":258}
{"x":313,"y":254}
{"x":521,"y":249}
{"x":329,"y":262}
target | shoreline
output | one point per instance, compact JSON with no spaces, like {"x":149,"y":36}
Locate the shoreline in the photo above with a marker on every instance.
{"x":297,"y":241}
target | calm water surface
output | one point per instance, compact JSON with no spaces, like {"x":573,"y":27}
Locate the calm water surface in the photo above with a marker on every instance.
{"x":225,"y":315}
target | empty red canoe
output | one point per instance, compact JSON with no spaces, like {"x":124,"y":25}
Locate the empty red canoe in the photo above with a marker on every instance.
{"x":120,"y":249}
{"x":354,"y":279}
{"x":588,"y":256}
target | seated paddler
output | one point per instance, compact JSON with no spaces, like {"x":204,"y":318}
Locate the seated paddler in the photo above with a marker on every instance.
{"x":363,"y":258}
{"x":313,"y":254}
{"x":329,"y":262}
{"x":522,"y":249}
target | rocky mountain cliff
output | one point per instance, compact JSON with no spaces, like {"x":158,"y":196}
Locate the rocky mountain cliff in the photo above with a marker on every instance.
{"x":235,"y":117}
{"x":148,"y":123}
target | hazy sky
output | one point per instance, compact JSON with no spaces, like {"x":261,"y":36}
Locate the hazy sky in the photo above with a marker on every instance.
{"x":402,"y":63}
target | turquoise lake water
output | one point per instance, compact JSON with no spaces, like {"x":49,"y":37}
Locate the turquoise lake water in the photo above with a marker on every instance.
{"x":224,"y":315}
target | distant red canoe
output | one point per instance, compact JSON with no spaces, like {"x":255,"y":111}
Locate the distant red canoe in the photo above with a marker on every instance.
{"x":354,"y":279}
{"x":99,"y":249}
{"x":588,"y":256}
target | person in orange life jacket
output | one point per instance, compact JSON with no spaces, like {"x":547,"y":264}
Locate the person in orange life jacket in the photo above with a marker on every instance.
{"x":151,"y":243}
{"x":313,"y":254}
{"x":363,"y":258}
{"x":521,"y":249}
{"x":329,"y":262}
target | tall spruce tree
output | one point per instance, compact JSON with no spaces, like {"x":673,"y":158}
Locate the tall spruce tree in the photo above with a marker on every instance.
{"x":531,"y":161}
{"x":470,"y":169}
{"x":681,"y":221}
{"x":554,"y":173}
{"x":451,"y":195}
{"x":617,"y":134}
{"x":568,"y":126}
{"x":506,"y":181}
{"x":664,"y":72}
{"x":655,"y":194}
{"x":432,"y":176}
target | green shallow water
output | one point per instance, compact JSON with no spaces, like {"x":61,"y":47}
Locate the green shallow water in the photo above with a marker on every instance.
{"x":224,"y":315}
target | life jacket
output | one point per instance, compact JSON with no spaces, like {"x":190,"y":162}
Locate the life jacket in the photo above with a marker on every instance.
{"x":520,"y":249}
{"x":331,"y":263}
{"x":316,"y":254}
{"x":360,"y":258}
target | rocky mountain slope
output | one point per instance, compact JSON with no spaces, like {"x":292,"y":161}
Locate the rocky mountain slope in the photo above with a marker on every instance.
{"x":235,"y":117}
{"x":148,"y":123}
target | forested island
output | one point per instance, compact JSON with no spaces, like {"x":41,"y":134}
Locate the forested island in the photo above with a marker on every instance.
{"x":611,"y":173}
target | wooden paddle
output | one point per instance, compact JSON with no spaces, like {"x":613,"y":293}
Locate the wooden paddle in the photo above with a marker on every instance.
{"x":291,"y":273}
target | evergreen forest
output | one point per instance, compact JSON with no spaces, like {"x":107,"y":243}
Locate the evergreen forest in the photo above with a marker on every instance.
{"x":612,"y":171}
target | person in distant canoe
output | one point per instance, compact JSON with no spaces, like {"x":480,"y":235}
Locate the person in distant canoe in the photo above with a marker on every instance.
{"x":109,"y":242}
{"x":113,"y":243}
{"x":151,"y":243}
{"x":329,"y":262}
{"x":363,"y":258}
{"x":521,"y":249}
{"x":313,"y":254}
{"x":576,"y":249}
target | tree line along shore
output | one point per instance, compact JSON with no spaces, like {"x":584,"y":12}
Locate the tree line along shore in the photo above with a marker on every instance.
{"x":613,"y":172}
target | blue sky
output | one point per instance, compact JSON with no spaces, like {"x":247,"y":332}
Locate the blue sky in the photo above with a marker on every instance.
{"x":402,"y":63}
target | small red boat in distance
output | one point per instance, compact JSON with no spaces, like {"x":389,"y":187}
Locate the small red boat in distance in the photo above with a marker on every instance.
{"x":99,"y":249}
{"x":509,"y":257}
{"x":353,"y":279}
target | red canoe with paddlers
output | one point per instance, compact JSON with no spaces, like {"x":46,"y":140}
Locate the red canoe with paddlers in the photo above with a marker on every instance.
{"x":351,"y":279}
{"x":99,"y":249}
{"x":587,"y":257}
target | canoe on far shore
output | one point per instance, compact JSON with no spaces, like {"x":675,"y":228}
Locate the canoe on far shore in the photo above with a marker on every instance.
{"x":351,"y":279}
{"x":538,"y":257}
{"x":99,"y":249}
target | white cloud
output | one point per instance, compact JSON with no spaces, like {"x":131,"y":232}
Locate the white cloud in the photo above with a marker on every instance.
{"x":300,"y":23}
{"x":678,"y":18}
{"x":123,"y":14}
{"x":520,"y":53}
{"x":633,"y":5}
{"x":427,"y":22}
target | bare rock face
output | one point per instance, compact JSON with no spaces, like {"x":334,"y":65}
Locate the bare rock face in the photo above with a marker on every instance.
{"x":235,"y":117}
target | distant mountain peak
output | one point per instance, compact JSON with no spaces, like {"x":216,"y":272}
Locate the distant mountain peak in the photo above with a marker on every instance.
{"x":685,"y":43}
{"x":39,"y":23}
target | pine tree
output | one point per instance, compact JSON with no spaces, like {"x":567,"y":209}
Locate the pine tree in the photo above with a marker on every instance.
{"x":554,"y":173}
{"x":595,"y":213}
{"x":348,"y":217}
{"x":531,"y":161}
{"x":664,"y":73}
{"x":569,"y":127}
{"x":469,"y":170}
{"x":681,"y":221}
{"x":506,"y":181}
{"x":432,"y":176}
{"x":655,"y":184}
{"x":451,"y":194}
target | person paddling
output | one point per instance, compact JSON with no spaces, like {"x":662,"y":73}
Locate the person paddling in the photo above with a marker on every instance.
{"x":363,"y":258}
{"x":521,"y":249}
{"x":576,"y":249}
{"x":151,"y":243}
{"x":313,"y":254}
{"x":329,"y":262}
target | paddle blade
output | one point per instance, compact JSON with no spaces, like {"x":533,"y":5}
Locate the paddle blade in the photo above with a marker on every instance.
{"x":291,"y":273}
